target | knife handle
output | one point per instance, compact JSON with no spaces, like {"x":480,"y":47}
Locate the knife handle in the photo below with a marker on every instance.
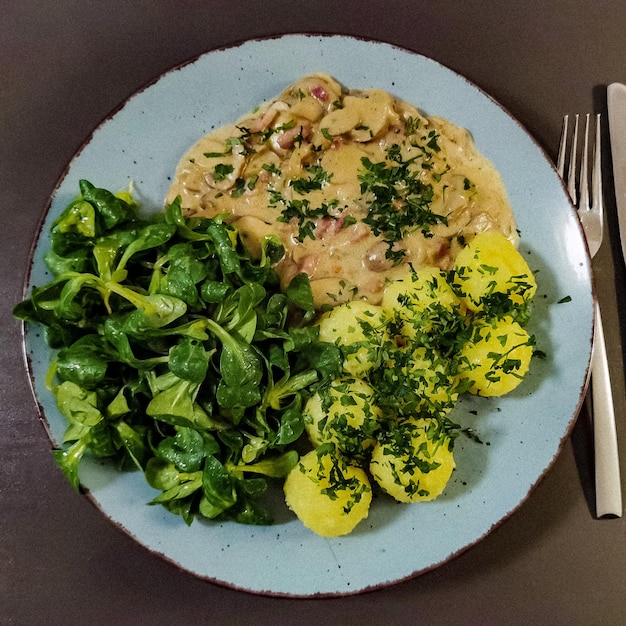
{"x":607,"y":473}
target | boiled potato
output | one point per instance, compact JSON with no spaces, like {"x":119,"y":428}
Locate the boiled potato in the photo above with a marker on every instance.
{"x":497,"y":357}
{"x":414,"y":461}
{"x":344,"y":414}
{"x":357,"y":327}
{"x":415,"y":380}
{"x":419,"y":380}
{"x":329,"y":496}
{"x":491,"y":273}
{"x":419,"y":300}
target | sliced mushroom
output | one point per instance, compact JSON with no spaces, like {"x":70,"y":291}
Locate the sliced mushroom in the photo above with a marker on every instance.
{"x":268,"y":115}
{"x":252,"y":231}
{"x":227,"y":170}
{"x":332,"y":291}
{"x":363,"y":116}
{"x":376,"y":258}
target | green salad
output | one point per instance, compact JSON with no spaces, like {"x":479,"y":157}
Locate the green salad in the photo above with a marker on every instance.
{"x":176,"y":353}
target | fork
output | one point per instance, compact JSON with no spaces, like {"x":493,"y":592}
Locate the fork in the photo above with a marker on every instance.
{"x":591,"y":214}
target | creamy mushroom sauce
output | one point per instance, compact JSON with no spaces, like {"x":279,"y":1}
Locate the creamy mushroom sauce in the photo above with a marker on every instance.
{"x":355,"y":183}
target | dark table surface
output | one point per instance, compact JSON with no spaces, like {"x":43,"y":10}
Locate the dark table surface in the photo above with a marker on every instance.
{"x":63,"y":66}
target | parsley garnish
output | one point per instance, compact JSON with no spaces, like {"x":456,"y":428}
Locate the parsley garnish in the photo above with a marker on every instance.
{"x":239,"y":188}
{"x":400,"y":201}
{"x":411,"y":125}
{"x":222,"y":170}
{"x":231,"y":142}
{"x":316,"y":179}
{"x":265,"y":135}
{"x":303,"y":213}
{"x":433,"y":138}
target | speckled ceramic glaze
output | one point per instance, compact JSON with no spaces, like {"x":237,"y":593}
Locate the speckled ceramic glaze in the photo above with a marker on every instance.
{"x":142,"y":143}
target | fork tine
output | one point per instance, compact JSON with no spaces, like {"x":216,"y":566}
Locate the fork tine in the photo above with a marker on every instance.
{"x":583,"y":183}
{"x":578,"y":188}
{"x":560,"y":162}
{"x":597,"y":200}
{"x":571,"y":173}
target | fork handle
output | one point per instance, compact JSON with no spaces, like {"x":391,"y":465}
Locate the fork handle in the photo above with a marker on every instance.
{"x":607,"y":473}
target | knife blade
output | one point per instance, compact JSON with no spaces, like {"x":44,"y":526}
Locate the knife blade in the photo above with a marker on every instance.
{"x":616,"y":103}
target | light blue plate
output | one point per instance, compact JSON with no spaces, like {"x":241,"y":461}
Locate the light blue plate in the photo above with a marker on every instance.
{"x":142,"y":143}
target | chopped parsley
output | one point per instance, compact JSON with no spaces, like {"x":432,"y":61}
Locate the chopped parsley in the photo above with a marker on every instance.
{"x":412,"y":125}
{"x":239,"y":188}
{"x":399,"y":202}
{"x":271,"y":169}
{"x":221,"y":171}
{"x":303,"y":212}
{"x":316,"y":178}
{"x":231,"y":142}
{"x":266,"y":134}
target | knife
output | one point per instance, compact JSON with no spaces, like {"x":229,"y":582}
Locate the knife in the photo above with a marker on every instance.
{"x":616,"y":105}
{"x":616,"y":102}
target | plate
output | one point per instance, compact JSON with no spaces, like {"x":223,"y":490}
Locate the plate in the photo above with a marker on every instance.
{"x":141,"y":144}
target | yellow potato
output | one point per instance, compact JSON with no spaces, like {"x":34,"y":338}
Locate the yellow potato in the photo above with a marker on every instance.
{"x":418,"y":299}
{"x":414,"y":461}
{"x":496,"y":358}
{"x":419,"y":380}
{"x":343,"y":414}
{"x":357,"y":328}
{"x":489,"y":271}
{"x":329,"y":496}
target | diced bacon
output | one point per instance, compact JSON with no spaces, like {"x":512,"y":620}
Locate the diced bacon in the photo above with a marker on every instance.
{"x":321,"y":226}
{"x":286,"y":140}
{"x":328,"y":227}
{"x":308,"y":263}
{"x":262,"y":122}
{"x":319,"y":93}
{"x":441,"y":255}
